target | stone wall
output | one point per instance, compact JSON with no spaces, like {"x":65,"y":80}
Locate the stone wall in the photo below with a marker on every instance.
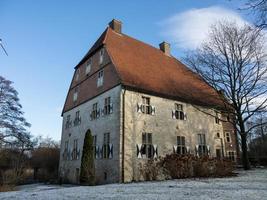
{"x":109,"y":123}
{"x":165,"y":129}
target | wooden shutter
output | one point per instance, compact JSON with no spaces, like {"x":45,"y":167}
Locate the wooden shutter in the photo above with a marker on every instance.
{"x":110,"y":151}
{"x":139,"y":107}
{"x":197,"y":153}
{"x":208,"y":149}
{"x":173,"y":114}
{"x":175,"y":148}
{"x":155,"y":151}
{"x":111,"y":108}
{"x":98,"y":113}
{"x":138,"y":150}
{"x":153,"y":110}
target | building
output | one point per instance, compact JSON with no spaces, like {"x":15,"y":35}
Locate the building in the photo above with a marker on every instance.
{"x":139,"y":102}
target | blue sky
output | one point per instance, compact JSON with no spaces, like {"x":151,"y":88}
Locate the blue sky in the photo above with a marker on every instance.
{"x":46,"y":39}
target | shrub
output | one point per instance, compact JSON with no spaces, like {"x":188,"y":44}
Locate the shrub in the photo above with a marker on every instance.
{"x":87,"y":175}
{"x":175,"y":166}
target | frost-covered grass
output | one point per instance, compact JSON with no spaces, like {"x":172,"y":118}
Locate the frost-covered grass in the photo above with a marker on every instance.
{"x":247,"y":185}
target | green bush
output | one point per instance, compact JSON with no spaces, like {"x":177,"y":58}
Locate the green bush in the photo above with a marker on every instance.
{"x":87,"y":174}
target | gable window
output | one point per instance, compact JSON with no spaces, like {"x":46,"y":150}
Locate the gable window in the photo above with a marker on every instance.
{"x":231,"y":155}
{"x":106,"y":145}
{"x":95,"y":112}
{"x":178,"y":112}
{"x":217,"y":120}
{"x":75,"y":94}
{"x":181,"y":148}
{"x":75,"y":150}
{"x":100,"y":78}
{"x":147,"y":146}
{"x":77,"y":119}
{"x":101,"y":56}
{"x":227,"y":137}
{"x":202,"y":148}
{"x":77,"y":74}
{"x":88,"y":66}
{"x":68,"y":122}
{"x":108,"y":106}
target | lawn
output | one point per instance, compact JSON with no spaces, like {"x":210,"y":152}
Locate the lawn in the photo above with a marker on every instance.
{"x":247,"y":185}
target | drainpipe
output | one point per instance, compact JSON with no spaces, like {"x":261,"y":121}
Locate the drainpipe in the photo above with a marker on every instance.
{"x":123,"y":133}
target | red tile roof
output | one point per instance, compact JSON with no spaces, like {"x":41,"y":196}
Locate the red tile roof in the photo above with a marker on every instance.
{"x":145,"y":68}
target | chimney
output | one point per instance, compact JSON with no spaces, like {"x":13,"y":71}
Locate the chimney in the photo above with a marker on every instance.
{"x":165,"y":47}
{"x":115,"y":25}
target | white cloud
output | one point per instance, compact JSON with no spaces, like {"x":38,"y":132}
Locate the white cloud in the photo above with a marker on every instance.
{"x":188,"y":29}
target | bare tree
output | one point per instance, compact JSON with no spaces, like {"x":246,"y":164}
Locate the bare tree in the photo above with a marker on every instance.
{"x":258,"y":8}
{"x":233,"y":60}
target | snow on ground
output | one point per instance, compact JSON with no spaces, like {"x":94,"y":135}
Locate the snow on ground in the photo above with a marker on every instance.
{"x":248,"y":185}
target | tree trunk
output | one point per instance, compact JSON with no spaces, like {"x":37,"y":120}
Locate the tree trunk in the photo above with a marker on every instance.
{"x":245,"y":160}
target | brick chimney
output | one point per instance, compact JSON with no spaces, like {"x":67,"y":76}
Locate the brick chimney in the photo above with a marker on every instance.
{"x":165,"y":47}
{"x":115,"y":25}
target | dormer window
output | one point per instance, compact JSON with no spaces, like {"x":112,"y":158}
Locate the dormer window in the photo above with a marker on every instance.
{"x":100,"y":78}
{"x":101,"y":56}
{"x":77,"y":75}
{"x":88,"y":66}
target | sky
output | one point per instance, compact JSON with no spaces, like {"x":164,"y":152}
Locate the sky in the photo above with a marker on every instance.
{"x":46,"y":39}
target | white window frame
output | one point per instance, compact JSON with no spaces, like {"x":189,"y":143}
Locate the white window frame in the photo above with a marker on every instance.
{"x":100,"y":78}
{"x":88,"y":66}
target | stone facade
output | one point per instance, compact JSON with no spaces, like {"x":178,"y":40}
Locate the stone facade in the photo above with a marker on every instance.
{"x":69,"y":168}
{"x":165,"y":129}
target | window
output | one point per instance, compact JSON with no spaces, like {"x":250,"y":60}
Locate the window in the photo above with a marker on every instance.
{"x":146,"y":105}
{"x":178,"y":112}
{"x":66,"y":145}
{"x":88,"y":66}
{"x":181,"y":149}
{"x":217,"y":120}
{"x":106,"y":145}
{"x":75,"y":94}
{"x":94,"y":113}
{"x":101,"y":56}
{"x":202,"y":149}
{"x":227,"y":137}
{"x":218,"y":135}
{"x":68,"y":122}
{"x":108,"y":106}
{"x":75,"y":150}
{"x":231,"y":155}
{"x":77,"y":119}
{"x":77,"y":74}
{"x":100,"y":78}
{"x":147,"y":146}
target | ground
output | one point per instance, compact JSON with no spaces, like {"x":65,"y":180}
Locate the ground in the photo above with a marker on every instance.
{"x":247,"y":185}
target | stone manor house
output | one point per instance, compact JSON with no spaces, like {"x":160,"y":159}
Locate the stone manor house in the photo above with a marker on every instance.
{"x":139,"y":102}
